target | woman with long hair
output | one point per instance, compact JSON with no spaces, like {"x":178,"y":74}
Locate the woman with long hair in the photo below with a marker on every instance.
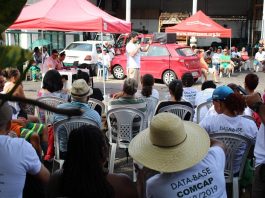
{"x":53,"y":86}
{"x":148,"y":90}
{"x":12,"y":76}
{"x":176,"y":91}
{"x":83,"y":173}
{"x":229,"y":107}
{"x":24,"y":125}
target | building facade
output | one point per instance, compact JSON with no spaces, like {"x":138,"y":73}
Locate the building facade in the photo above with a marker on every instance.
{"x":243,"y":16}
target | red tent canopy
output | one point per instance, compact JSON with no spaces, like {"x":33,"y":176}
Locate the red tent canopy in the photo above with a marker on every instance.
{"x":200,"y":25}
{"x":69,"y":15}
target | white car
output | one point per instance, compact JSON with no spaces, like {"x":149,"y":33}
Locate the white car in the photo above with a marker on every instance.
{"x":82,"y":52}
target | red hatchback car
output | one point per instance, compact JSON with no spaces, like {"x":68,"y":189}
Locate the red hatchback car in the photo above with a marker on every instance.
{"x":164,"y":61}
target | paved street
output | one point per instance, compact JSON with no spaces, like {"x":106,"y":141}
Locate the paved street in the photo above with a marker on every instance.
{"x":113,"y":85}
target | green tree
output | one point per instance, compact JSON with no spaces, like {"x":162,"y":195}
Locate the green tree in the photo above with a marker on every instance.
{"x":10,"y":10}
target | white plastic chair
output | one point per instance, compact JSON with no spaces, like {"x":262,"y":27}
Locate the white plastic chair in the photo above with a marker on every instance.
{"x":68,"y":124}
{"x":233,"y":142}
{"x":101,"y":73}
{"x":151,"y":103}
{"x":124,"y":117}
{"x":179,"y":110}
{"x":207,"y":105}
{"x":94,"y":102}
{"x":52,"y":101}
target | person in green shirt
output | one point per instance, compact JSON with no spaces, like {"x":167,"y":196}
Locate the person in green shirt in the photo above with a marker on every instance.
{"x":225,"y":63}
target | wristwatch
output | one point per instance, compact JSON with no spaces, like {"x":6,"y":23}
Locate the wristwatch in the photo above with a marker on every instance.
{"x":256,"y":106}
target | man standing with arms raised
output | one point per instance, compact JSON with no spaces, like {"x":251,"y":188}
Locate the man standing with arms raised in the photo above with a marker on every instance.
{"x":133,"y":56}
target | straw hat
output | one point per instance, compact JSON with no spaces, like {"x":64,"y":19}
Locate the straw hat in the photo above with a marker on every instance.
{"x":170,"y":144}
{"x":80,"y":89}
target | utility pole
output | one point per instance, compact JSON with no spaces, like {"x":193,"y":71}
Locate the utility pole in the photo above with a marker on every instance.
{"x":128,"y":10}
{"x":194,"y":6}
{"x":193,"y":40}
{"x":263,"y":22}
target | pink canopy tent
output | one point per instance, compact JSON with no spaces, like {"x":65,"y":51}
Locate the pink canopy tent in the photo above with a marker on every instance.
{"x":69,"y":15}
{"x":200,"y":25}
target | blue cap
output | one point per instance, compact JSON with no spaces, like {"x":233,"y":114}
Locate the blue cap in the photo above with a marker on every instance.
{"x":221,"y":93}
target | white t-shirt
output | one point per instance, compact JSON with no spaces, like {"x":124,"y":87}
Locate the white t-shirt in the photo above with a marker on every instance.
{"x":15,"y":106}
{"x":133,"y":61}
{"x":104,"y":59}
{"x":210,"y":113}
{"x":201,"y":97}
{"x":259,"y":150}
{"x":154,"y":94}
{"x":260,"y":56}
{"x":235,"y":54}
{"x":216,"y":58}
{"x":205,"y":179}
{"x":17,"y":157}
{"x":248,"y":111}
{"x":189,"y":94}
{"x":238,"y":124}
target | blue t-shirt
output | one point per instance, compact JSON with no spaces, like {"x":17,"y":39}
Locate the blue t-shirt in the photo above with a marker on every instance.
{"x":88,"y":113}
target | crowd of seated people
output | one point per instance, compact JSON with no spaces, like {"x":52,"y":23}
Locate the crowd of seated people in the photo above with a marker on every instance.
{"x":182,"y":152}
{"x":220,"y":62}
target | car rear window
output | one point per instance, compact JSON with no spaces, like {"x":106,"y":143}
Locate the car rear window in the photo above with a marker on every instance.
{"x":80,"y":47}
{"x":105,"y":38}
{"x":185,"y":52}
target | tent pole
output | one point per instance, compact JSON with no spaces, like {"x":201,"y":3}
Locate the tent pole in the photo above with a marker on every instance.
{"x":104,"y":83}
{"x":42,"y":37}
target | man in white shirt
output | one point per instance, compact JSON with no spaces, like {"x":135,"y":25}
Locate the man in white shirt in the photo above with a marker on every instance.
{"x":259,"y":60}
{"x":17,"y":157}
{"x":254,"y":101}
{"x":133,"y":56}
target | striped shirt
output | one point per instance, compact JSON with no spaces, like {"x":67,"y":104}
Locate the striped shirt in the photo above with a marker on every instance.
{"x":88,"y":113}
{"x":136,"y":103}
{"x":131,"y":102}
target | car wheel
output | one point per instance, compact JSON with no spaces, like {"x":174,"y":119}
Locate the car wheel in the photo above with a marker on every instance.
{"x":118,"y":72}
{"x":168,"y":76}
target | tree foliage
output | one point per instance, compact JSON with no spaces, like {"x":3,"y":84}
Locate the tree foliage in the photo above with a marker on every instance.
{"x":10,"y":10}
{"x":13,"y":56}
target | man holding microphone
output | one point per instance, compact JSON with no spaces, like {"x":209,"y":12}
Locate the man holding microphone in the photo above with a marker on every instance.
{"x":133,"y":49}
